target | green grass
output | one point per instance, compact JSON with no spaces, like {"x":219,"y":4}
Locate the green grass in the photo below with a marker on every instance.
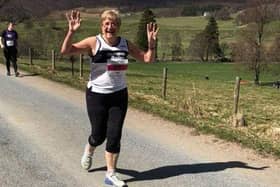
{"x":206,"y":105}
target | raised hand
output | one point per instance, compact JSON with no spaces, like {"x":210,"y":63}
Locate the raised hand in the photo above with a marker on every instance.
{"x":152,"y":30}
{"x":74,"y":20}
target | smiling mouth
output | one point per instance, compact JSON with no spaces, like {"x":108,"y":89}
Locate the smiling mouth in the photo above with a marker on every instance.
{"x":111,"y":32}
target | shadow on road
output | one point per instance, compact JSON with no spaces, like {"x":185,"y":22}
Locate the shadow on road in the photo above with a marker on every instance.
{"x":175,"y":170}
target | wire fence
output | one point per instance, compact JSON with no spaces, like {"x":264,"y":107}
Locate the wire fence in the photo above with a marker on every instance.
{"x":55,"y":62}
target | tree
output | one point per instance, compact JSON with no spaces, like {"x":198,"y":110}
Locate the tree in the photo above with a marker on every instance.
{"x":198,"y":46}
{"x":176,"y":47}
{"x":274,"y":50}
{"x":141,"y":37}
{"x":212,"y":36}
{"x":206,"y":43}
{"x":250,"y":48}
{"x":166,"y":46}
{"x":248,"y":52}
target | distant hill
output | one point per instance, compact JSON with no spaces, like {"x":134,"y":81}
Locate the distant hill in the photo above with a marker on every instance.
{"x":21,"y":9}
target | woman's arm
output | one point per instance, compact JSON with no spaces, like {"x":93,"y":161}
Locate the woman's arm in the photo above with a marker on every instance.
{"x":1,"y":42}
{"x":149,"y":55}
{"x":134,"y":51}
{"x":86,"y":45}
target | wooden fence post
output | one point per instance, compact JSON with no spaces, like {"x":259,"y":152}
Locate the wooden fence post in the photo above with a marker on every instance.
{"x":164,"y":82}
{"x":81,"y":65}
{"x":236,"y":95}
{"x":238,"y":118}
{"x":53,"y":59}
{"x":30,"y":56}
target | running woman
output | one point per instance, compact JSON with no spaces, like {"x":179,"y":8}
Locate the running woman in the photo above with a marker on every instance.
{"x":106,"y":94}
{"x":8,"y":42}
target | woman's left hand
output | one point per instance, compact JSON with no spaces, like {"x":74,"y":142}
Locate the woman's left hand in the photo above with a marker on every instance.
{"x":152,"y":30}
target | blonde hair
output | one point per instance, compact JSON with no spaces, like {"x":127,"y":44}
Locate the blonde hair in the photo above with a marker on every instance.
{"x":112,"y":15}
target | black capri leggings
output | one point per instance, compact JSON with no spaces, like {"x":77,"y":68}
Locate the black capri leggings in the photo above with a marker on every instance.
{"x":11,"y":55}
{"x":106,"y":114}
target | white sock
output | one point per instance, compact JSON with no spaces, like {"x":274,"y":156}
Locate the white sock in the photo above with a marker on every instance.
{"x":110,"y":172}
{"x":88,"y":152}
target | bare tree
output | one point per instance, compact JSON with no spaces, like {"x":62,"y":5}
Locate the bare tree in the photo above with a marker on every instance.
{"x":249,"y":52}
{"x":176,"y":47}
{"x":274,"y":50}
{"x":250,"y":48}
{"x":198,"y":46}
{"x":166,"y":46}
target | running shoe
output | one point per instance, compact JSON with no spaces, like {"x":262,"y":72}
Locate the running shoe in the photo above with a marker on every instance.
{"x":113,"y":180}
{"x":8,"y":73}
{"x":86,"y":161}
{"x":17,"y":74}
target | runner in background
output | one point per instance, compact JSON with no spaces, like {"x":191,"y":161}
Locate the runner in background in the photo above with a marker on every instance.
{"x":8,"y":42}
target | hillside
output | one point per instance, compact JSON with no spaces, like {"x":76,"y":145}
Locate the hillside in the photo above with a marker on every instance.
{"x":21,"y":9}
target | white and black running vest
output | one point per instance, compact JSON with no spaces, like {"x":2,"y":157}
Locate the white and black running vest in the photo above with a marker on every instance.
{"x":108,"y":66}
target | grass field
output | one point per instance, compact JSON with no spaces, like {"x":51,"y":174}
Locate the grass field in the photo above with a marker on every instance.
{"x":208,"y":104}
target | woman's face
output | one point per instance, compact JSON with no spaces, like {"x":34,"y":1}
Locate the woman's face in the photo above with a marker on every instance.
{"x":10,"y":26}
{"x":109,"y":28}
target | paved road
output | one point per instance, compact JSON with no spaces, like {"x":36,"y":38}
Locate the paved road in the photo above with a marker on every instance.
{"x":44,"y":126}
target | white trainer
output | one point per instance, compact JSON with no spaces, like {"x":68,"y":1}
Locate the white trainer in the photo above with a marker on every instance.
{"x":113,"y":180}
{"x":86,"y":161}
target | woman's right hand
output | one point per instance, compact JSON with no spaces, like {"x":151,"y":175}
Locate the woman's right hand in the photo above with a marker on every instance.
{"x":74,"y":20}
